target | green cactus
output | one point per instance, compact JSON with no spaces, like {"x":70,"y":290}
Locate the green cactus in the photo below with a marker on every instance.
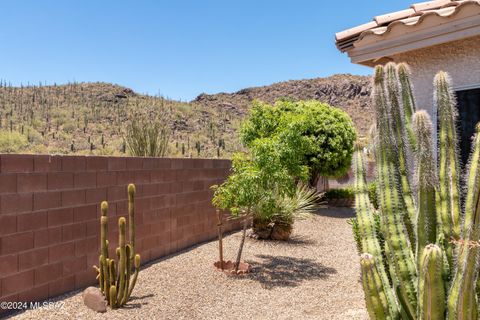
{"x":391,"y":202}
{"x":115,"y":277}
{"x":431,"y":287}
{"x":435,"y":275}
{"x":426,"y":181}
{"x":449,"y":173}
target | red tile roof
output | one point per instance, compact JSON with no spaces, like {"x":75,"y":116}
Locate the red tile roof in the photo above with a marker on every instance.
{"x":413,"y":16}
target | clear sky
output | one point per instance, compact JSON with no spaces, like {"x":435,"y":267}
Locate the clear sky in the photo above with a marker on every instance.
{"x":178,"y":48}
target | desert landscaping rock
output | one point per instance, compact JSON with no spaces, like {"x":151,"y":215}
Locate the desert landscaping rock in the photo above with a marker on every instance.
{"x":93,"y":298}
{"x":314,"y":275}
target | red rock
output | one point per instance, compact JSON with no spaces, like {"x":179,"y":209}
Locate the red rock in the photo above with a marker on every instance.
{"x":93,"y":298}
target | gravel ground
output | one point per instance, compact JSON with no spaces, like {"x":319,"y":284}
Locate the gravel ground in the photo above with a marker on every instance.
{"x":315,"y":275}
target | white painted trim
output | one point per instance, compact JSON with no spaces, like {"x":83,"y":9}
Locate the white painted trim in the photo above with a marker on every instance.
{"x":455,"y":30}
{"x":467,"y":87}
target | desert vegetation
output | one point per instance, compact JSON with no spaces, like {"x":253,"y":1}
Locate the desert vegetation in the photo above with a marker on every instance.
{"x":289,"y":144}
{"x":420,"y":249}
{"x":93,"y":118}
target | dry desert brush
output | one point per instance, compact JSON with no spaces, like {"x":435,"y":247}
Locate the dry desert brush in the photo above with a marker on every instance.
{"x":427,"y":265}
{"x":117,"y":277}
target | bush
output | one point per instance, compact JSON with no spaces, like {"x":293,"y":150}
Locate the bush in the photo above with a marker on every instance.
{"x":372,"y":194}
{"x":147,"y":139}
{"x":319,"y":136}
{"x":341,"y":193}
{"x":12,"y":142}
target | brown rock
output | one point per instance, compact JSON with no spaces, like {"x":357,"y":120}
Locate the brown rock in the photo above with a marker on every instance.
{"x":93,"y":298}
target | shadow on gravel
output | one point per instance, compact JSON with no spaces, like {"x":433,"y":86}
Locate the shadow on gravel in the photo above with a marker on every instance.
{"x":336,"y":212}
{"x":133,"y":304}
{"x":278,"y":271}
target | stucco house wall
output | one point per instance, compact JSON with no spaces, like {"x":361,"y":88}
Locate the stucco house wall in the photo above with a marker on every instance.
{"x":461,"y":59}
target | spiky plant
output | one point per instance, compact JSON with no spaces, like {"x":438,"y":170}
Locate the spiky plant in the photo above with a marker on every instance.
{"x":147,"y":139}
{"x":427,"y":266}
{"x":115,"y":278}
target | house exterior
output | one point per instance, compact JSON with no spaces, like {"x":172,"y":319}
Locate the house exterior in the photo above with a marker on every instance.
{"x":429,"y":36}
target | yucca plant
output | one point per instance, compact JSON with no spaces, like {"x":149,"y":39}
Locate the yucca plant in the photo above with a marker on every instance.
{"x":427,"y":266}
{"x":147,"y":139}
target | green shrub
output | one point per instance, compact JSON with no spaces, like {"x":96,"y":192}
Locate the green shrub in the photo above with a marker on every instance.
{"x":372,"y":194}
{"x":12,"y":142}
{"x":321,"y":136}
{"x":341,"y":193}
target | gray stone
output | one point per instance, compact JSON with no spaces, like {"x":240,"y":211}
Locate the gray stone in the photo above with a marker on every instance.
{"x":93,"y":298}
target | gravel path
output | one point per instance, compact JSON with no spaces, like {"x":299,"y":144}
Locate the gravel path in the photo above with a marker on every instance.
{"x":313,"y":276}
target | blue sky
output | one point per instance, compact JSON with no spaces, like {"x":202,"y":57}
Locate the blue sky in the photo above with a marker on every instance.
{"x":178,"y":48}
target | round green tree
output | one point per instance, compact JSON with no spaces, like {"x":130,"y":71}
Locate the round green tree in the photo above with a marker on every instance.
{"x":314,"y":134}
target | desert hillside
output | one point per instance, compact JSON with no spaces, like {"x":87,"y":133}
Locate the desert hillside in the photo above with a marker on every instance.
{"x":91,"y":118}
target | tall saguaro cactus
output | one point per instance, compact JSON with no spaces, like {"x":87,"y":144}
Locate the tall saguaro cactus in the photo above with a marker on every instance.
{"x":434,"y":269}
{"x":115,"y":278}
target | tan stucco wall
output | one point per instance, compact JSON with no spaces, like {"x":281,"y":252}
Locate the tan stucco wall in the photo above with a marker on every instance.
{"x":461,"y":59}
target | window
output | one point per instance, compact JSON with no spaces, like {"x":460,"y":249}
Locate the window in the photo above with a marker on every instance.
{"x":468,"y":117}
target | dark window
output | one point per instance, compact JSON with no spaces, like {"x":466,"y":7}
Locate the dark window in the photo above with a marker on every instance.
{"x":468,"y":117}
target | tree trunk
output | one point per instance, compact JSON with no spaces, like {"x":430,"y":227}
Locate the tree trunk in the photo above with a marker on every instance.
{"x":220,"y":238}
{"x":242,"y":243}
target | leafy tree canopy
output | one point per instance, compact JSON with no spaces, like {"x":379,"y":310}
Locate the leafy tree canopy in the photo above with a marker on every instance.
{"x":313,"y":138}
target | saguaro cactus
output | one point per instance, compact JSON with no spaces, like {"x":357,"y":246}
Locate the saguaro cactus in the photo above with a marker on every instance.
{"x":115,"y":277}
{"x":434,"y":275}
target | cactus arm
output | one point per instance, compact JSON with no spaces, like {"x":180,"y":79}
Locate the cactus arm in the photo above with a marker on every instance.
{"x":128,"y":269}
{"x":449,"y":188}
{"x":431,"y":287}
{"x":135,"y":275}
{"x":375,"y":297}
{"x":104,"y":230}
{"x":402,"y":150}
{"x":408,"y":101}
{"x":425,"y":178}
{"x":462,"y":302}
{"x":366,"y":225}
{"x":122,"y":262}
{"x":391,"y":204}
{"x":113,"y":297}
{"x":131,"y":217}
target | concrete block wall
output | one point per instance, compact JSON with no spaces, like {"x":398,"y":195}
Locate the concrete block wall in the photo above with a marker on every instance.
{"x":50,"y":209}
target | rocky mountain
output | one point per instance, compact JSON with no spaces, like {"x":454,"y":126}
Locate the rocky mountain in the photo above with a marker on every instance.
{"x":351,"y":93}
{"x":91,"y":118}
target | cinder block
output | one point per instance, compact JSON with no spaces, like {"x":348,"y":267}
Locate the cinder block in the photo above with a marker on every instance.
{"x":85,"y":213}
{"x":74,"y":231}
{"x":83,"y":180}
{"x":73,"y":163}
{"x":47,"y":200}
{"x":8,"y":183}
{"x":95,"y":196}
{"x":60,"y":216}
{"x":32,"y":221}
{"x":16,"y":242}
{"x":8,"y":264}
{"x":16,"y":163}
{"x":17,"y":282}
{"x":31,"y":182}
{"x":73,"y":198}
{"x":85,"y":278}
{"x":74,"y":265}
{"x":106,"y":179}
{"x":61,"y":251}
{"x":16,"y":203}
{"x":117,"y":163}
{"x":86,"y":246}
{"x":8,"y":224}
{"x":47,"y":237}
{"x":60,"y":180}
{"x":47,"y":163}
{"x":97,"y":163}
{"x":32,"y":259}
